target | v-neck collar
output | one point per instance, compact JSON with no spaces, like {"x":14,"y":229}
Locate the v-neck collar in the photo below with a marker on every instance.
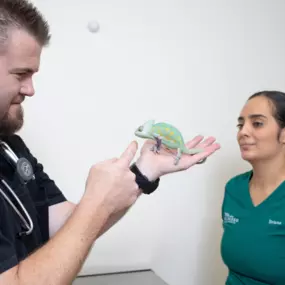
{"x":267,"y":200}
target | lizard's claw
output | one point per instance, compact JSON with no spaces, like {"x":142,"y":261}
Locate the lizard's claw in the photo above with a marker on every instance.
{"x":155,"y":148}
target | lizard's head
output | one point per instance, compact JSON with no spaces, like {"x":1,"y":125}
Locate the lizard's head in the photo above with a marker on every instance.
{"x":144,"y":131}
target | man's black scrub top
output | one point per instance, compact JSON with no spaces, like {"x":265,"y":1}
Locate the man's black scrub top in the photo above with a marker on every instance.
{"x":36,"y":196}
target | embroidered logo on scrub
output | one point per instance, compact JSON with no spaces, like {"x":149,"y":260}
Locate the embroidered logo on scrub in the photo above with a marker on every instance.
{"x":230,"y":219}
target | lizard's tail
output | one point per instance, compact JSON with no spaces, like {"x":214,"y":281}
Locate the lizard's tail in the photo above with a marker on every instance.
{"x":193,"y":150}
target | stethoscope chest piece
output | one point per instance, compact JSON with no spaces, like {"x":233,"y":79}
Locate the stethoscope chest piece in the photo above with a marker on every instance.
{"x":25,"y":169}
{"x":23,"y":166}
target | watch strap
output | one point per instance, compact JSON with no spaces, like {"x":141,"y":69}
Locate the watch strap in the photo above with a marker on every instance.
{"x":147,"y":186}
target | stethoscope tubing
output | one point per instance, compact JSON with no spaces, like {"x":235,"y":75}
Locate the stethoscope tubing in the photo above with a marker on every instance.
{"x":29,"y":225}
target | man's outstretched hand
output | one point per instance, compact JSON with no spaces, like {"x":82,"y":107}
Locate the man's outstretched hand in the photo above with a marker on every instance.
{"x":155,"y":165}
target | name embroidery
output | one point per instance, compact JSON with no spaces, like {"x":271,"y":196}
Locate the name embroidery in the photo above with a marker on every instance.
{"x":271,"y":222}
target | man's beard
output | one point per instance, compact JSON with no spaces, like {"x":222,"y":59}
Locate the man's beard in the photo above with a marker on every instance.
{"x":10,"y":125}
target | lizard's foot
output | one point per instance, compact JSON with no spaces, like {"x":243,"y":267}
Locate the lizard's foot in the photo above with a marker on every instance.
{"x":176,"y":160}
{"x":177,"y":157}
{"x":156,"y":148}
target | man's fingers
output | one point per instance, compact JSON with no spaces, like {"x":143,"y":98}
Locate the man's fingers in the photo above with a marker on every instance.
{"x":209,"y":141}
{"x":193,"y":159}
{"x":128,"y":155}
{"x":208,"y":151}
{"x":198,"y":143}
{"x":194,"y":142}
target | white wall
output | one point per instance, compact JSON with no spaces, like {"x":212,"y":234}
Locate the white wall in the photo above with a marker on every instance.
{"x":167,"y":59}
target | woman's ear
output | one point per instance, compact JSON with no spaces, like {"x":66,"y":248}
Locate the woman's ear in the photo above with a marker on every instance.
{"x":282,"y":136}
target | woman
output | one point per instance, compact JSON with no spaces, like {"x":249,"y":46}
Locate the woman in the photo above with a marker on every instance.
{"x":253,"y":210}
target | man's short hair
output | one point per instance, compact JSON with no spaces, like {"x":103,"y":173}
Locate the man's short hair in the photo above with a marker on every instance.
{"x":22,"y":14}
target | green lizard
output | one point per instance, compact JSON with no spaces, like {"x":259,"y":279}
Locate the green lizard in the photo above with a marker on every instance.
{"x":169,"y":136}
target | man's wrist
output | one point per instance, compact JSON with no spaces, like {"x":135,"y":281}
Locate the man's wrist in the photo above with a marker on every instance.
{"x":143,"y":181}
{"x":146,"y":170}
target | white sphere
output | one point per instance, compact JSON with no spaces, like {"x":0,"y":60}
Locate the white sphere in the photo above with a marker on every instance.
{"x":93,"y":26}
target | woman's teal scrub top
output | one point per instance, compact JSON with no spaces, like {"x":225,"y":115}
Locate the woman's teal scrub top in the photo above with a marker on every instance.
{"x":253,"y":243}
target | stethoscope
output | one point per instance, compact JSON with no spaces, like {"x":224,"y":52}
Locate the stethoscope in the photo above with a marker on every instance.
{"x":26,"y":173}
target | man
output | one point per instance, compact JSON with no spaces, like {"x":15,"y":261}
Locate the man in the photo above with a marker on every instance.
{"x":63,"y":233}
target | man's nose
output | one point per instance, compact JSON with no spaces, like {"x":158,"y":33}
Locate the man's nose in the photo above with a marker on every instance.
{"x":27,"y":88}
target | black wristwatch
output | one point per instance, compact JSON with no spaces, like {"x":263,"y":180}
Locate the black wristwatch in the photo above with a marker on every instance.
{"x":147,"y":186}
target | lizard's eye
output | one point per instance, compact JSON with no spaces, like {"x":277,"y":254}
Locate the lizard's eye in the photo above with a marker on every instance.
{"x":140,"y":128}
